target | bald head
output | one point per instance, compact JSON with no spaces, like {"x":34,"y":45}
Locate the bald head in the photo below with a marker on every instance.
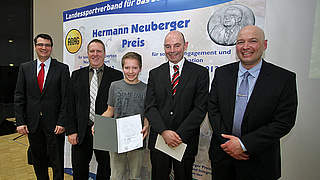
{"x":174,"y":46}
{"x":252,"y":29}
{"x":250,"y":45}
{"x":175,"y":34}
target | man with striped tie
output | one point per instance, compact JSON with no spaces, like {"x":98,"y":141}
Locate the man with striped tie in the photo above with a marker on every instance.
{"x":175,"y":105}
{"x":89,"y":95}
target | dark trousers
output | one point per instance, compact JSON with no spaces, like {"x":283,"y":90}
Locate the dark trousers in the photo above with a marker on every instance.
{"x":162,"y":164}
{"x":81,"y":157}
{"x":47,"y":148}
{"x":231,"y":169}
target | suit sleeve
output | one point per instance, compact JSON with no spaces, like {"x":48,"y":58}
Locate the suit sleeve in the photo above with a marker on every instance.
{"x":283,"y":119}
{"x":64,"y":83}
{"x":214,"y":112}
{"x":20,"y":98}
{"x":197,"y":114}
{"x":71,"y":124}
{"x":151,"y":109}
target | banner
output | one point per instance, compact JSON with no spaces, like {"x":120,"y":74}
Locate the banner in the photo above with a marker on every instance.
{"x":210,"y":27}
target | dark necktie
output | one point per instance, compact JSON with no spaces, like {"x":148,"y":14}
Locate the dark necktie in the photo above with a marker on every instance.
{"x":41,"y":77}
{"x":175,"y":79}
{"x":241,"y":104}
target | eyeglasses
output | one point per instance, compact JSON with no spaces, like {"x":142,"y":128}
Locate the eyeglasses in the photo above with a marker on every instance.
{"x":41,"y":45}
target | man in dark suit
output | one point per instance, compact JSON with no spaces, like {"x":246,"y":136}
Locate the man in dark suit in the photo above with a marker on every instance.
{"x":175,"y":105}
{"x":83,"y":106}
{"x":41,"y":104}
{"x":252,"y":104}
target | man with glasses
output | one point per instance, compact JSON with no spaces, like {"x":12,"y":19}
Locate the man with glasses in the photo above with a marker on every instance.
{"x":40,"y":106}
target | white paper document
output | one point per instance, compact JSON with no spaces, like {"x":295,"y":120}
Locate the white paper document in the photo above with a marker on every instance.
{"x":117,"y":135}
{"x":176,"y":152}
{"x":129,"y":133}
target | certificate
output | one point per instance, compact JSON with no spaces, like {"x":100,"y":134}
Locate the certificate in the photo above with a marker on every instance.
{"x":176,"y":152}
{"x":117,"y":135}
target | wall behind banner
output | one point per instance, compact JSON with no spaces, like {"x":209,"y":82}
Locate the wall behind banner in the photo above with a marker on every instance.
{"x":289,"y":29}
{"x":47,"y":18}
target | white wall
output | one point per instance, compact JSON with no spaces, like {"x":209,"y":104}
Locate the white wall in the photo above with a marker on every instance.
{"x":289,"y":29}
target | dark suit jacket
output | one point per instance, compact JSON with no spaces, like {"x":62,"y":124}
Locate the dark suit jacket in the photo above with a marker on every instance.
{"x":51,"y":103}
{"x":185,"y":112}
{"x":80,"y":98}
{"x":270,"y":114}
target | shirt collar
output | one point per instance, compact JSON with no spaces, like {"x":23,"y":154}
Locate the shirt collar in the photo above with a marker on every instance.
{"x":254,"y":71}
{"x":98,"y":70}
{"x":180,"y":64}
{"x":46,"y":62}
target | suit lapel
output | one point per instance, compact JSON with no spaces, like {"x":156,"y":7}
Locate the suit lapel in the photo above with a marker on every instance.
{"x":232,"y":90}
{"x":260,"y":86}
{"x":35,"y":76}
{"x":185,"y":75}
{"x":50,"y":74}
{"x":166,"y":80}
{"x":104,"y":81}
{"x":85,"y":84}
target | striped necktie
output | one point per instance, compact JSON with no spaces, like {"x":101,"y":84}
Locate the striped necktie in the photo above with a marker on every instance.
{"x":93,"y":94}
{"x":175,"y":79}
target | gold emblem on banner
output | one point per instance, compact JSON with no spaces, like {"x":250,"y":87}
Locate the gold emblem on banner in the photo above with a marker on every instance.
{"x":73,"y":41}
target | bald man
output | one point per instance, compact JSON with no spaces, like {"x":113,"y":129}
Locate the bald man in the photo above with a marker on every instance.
{"x":252,"y":104}
{"x":175,"y":105}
